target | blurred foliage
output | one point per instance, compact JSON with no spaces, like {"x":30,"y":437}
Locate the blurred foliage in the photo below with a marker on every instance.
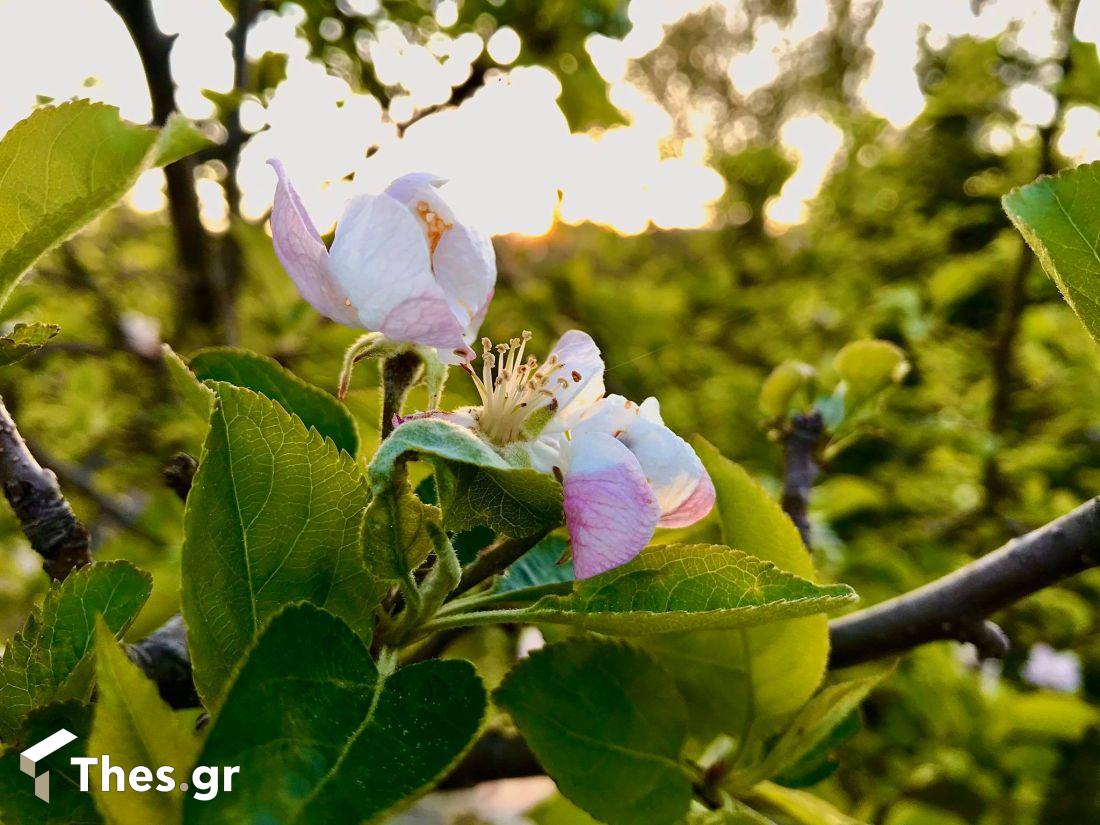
{"x":906,"y":242}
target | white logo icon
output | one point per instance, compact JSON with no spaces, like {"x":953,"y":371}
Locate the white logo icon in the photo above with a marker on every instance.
{"x":29,"y":758}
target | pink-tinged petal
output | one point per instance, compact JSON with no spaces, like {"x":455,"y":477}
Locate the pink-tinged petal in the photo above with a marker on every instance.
{"x":674,"y":472}
{"x":465,"y":266}
{"x":696,"y":506}
{"x":578,"y":382}
{"x":380,"y":259}
{"x":610,"y":510}
{"x":612,"y":415}
{"x":407,"y":187}
{"x":302,"y":253}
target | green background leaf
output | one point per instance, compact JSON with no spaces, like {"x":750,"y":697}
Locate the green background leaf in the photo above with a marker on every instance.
{"x":45,"y":659}
{"x":607,"y":724}
{"x":273,"y":517}
{"x":266,"y":376}
{"x":322,"y":738}
{"x":23,"y":340}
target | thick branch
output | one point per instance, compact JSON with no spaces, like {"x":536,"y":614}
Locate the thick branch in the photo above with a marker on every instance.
{"x":164,"y":657}
{"x":45,"y":516}
{"x":801,"y":469}
{"x":958,"y":605}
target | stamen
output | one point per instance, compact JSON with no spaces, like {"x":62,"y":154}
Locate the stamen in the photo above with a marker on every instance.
{"x":512,"y":386}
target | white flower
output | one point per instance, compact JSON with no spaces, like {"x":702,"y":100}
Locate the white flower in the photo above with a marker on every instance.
{"x":1047,"y":668}
{"x":401,"y":264}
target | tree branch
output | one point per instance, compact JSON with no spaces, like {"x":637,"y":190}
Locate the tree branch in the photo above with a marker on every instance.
{"x":494,"y":559}
{"x":44,"y":515}
{"x":200,"y":299}
{"x":801,"y":469}
{"x":164,"y":657}
{"x":957,"y":605}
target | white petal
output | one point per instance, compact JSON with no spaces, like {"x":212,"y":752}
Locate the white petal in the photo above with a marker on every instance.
{"x":465,"y":266}
{"x":581,"y":376}
{"x":610,"y":511}
{"x":302,"y":253}
{"x":380,"y":258}
{"x":407,"y":187}
{"x":680,"y":482}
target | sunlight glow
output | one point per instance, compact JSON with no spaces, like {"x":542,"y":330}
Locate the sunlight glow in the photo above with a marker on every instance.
{"x":512,"y":161}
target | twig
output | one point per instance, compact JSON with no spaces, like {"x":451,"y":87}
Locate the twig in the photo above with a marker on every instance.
{"x":1015,"y":300}
{"x":957,"y":606}
{"x":200,"y":298}
{"x":45,"y":516}
{"x":164,"y":657}
{"x":494,"y":559}
{"x":801,"y":469}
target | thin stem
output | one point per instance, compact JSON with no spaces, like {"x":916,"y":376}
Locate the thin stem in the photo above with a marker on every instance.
{"x":494,"y":559}
{"x":801,"y":469}
{"x":399,"y":373}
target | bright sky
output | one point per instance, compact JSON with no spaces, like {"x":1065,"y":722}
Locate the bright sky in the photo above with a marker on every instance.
{"x":508,"y":150}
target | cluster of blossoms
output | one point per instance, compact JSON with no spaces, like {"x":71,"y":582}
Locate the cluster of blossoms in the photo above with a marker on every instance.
{"x":402,"y":265}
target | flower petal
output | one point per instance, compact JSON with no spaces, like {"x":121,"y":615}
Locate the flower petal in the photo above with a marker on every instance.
{"x":407,"y":187}
{"x":581,"y":375}
{"x":674,"y":472}
{"x":465,"y":266}
{"x":610,"y":510}
{"x":380,"y":258}
{"x":302,"y":253}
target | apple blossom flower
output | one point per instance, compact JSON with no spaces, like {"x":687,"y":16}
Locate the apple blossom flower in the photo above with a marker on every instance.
{"x":401,"y":264}
{"x":1047,"y":668}
{"x":623,"y":472}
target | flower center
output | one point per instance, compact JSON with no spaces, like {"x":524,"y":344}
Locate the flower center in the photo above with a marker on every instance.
{"x":512,"y":389}
{"x":433,"y":224}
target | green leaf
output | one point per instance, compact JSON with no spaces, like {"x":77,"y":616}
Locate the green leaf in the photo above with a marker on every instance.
{"x":743,"y":681}
{"x":266,"y":376}
{"x":196,"y":396}
{"x":430,"y":437}
{"x":867,"y":368}
{"x":62,"y":166}
{"x":514,"y":502}
{"x":323,"y":738}
{"x":178,"y":139}
{"x":816,"y":721}
{"x":671,"y":588}
{"x":608,"y":725}
{"x":45,"y":661}
{"x":68,"y":805}
{"x":782,"y":385}
{"x":1059,"y":216}
{"x":134,"y":725}
{"x":798,"y":807}
{"x":23,"y":340}
{"x":395,"y":538}
{"x":537,"y":568}
{"x":273,"y":516}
